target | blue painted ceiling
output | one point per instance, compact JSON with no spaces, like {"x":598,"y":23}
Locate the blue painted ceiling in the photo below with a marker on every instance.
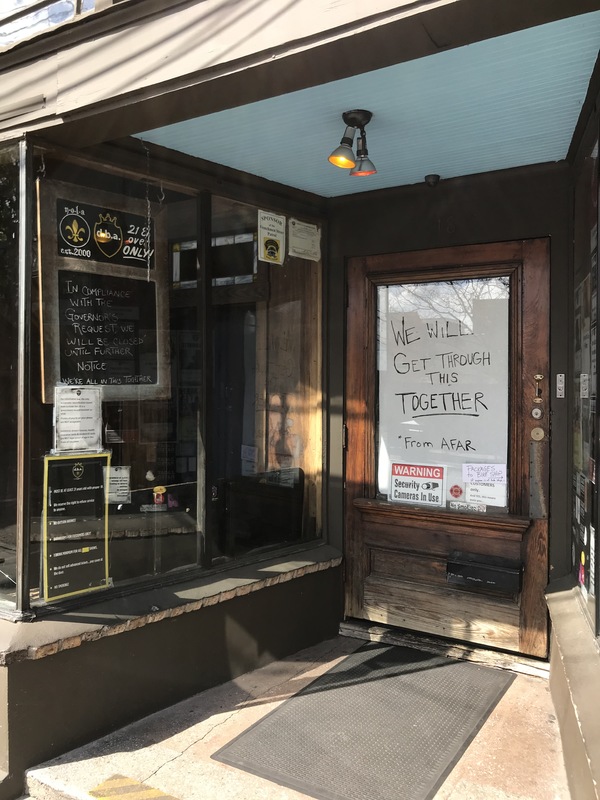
{"x":500,"y":103}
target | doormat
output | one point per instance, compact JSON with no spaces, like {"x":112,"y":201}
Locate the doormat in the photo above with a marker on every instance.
{"x":387,"y":722}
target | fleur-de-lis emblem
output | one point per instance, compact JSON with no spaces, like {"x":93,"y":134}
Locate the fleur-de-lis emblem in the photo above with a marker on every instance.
{"x":76,"y":233}
{"x":74,"y":230}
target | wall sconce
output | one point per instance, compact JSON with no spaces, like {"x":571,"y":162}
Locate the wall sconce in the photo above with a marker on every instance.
{"x":343,"y":156}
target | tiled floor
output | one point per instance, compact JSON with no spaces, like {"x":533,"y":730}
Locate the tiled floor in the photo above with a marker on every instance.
{"x":516,"y":755}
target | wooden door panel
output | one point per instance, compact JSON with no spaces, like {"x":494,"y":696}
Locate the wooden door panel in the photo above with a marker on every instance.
{"x":407,"y":566}
{"x":397,"y":554}
{"x":419,"y":568}
{"x":443,"y":612}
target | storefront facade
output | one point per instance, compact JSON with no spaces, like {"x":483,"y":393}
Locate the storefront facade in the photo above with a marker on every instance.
{"x":239,"y":409}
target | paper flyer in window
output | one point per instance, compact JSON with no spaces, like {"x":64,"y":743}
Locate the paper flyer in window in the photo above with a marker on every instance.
{"x":78,"y":418}
{"x":119,"y":485}
{"x":484,"y":473}
{"x":491,"y":494}
{"x":271,"y":237}
{"x":305,"y":240}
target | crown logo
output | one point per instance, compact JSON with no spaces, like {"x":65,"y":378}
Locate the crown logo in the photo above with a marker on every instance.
{"x":101,"y":233}
{"x":108,"y":234}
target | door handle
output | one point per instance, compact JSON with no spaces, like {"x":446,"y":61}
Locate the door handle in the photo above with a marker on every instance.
{"x":538,"y":389}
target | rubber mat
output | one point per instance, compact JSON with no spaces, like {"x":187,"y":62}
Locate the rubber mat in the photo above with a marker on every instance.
{"x":386,"y":723}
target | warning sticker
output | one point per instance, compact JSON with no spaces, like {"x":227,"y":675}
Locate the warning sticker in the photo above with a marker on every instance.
{"x":418,"y":484}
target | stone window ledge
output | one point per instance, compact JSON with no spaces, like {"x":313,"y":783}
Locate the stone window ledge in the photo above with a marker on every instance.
{"x":65,"y":630}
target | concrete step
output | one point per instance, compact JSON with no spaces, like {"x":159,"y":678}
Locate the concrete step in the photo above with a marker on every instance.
{"x":170,"y":752}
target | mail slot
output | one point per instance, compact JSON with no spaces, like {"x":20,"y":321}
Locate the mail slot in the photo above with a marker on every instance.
{"x":490,"y":573}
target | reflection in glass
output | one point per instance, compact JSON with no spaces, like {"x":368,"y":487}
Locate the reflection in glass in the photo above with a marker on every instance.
{"x":248,"y":435}
{"x":9,"y":294}
{"x":155,"y":502}
{"x":266,"y":431}
{"x":443,"y":393}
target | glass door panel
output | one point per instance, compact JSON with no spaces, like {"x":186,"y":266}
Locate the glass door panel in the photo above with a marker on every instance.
{"x":443,"y":365}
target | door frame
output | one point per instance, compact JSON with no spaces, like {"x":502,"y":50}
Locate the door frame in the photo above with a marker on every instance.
{"x":527,"y":262}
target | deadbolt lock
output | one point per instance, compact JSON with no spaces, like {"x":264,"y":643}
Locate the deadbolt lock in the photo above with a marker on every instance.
{"x":537,"y":434}
{"x":537,"y":413}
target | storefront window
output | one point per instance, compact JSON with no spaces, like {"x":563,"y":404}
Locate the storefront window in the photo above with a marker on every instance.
{"x":585,"y":433}
{"x":267,"y":416}
{"x":165,"y":373}
{"x":9,"y":294}
{"x":116,"y":387}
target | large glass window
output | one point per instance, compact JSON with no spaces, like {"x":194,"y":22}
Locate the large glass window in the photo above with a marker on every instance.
{"x":10,"y":195}
{"x":266,"y":409}
{"x":176,"y":386}
{"x":443,"y":393}
{"x":116,"y":387}
{"x":584,"y":518}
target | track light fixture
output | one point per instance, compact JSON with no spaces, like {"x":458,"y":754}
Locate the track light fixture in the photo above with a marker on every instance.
{"x":364,"y":165}
{"x":343,"y":156}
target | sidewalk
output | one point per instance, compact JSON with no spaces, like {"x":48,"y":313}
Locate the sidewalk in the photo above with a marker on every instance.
{"x":516,"y":755}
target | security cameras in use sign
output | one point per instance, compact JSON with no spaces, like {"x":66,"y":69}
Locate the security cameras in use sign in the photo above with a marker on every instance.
{"x":422,"y":484}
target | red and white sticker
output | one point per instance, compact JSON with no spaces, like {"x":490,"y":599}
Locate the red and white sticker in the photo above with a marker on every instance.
{"x":420,"y":484}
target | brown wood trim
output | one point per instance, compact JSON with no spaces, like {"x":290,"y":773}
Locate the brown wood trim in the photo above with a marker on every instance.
{"x":508,"y":526}
{"x":534,"y":616}
{"x":418,"y":542}
{"x":480,"y":258}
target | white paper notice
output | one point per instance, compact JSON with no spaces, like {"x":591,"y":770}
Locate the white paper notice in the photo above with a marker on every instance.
{"x":119,"y":484}
{"x":484,"y":473}
{"x":271,"y":237}
{"x":491,"y":494}
{"x":305,"y":240}
{"x":78,"y":420}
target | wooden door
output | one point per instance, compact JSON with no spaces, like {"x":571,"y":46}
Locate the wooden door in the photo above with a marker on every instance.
{"x":447,"y":442}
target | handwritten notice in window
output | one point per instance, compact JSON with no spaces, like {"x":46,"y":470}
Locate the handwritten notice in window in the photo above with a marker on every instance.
{"x":484,"y":473}
{"x":104,"y":301}
{"x":443,"y":380}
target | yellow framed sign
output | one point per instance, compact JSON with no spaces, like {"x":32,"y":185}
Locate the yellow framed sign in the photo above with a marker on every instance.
{"x":75,"y":524}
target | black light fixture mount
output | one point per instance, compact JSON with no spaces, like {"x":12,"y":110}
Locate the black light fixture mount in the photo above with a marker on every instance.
{"x":357,"y":118}
{"x":343,"y":156}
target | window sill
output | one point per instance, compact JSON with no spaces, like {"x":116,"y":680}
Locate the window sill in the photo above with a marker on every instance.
{"x":23,"y":641}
